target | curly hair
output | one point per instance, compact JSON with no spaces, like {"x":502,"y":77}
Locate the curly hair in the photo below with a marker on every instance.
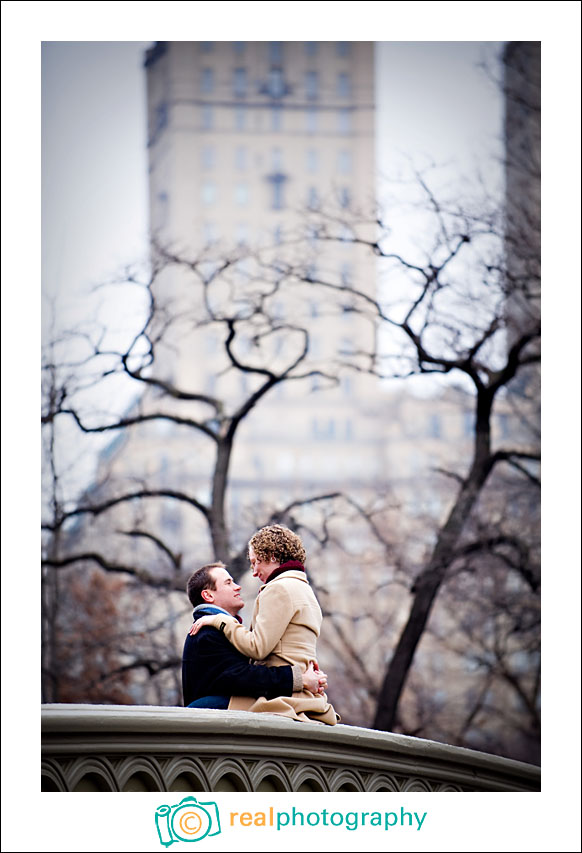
{"x":278,"y":542}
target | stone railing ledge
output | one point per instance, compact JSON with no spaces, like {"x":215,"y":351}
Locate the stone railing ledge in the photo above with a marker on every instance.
{"x":221,"y":750}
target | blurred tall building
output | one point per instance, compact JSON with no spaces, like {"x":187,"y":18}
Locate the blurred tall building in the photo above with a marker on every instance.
{"x":522,"y":88}
{"x":250,"y":143}
{"x":522,"y":63}
{"x":245,"y":137}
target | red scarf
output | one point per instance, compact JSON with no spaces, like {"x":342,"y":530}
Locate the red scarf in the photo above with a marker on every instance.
{"x":285,"y":567}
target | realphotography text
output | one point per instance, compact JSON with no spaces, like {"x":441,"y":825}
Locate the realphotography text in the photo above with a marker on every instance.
{"x":351,"y":820}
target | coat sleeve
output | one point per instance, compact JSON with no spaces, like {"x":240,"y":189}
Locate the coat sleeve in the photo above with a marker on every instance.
{"x":223,"y":671}
{"x":275,"y":611}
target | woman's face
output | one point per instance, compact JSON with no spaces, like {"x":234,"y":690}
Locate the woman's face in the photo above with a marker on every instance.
{"x":261,"y":568}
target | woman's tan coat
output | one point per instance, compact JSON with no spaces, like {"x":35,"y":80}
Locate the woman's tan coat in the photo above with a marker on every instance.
{"x":285,"y":626}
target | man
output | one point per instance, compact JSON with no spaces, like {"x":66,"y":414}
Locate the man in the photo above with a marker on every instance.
{"x":212,"y":669}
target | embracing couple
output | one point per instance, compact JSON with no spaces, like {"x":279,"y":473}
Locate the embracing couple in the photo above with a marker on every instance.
{"x":282,"y":675}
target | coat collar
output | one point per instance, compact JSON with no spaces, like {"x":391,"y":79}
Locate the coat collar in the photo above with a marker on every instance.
{"x":291,"y":573}
{"x":211,"y":610}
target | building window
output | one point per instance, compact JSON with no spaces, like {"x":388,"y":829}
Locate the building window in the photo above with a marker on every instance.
{"x":323,"y":428}
{"x":468,"y":423}
{"x":277,"y":235}
{"x":240,"y":82}
{"x":276,"y":86}
{"x":208,"y":270}
{"x":312,"y":234}
{"x":312,"y":198}
{"x":240,"y":158}
{"x":241,"y":195}
{"x":434,"y":426}
{"x":240,"y":118}
{"x":346,"y":234}
{"x":277,"y":196}
{"x":344,"y":85}
{"x":211,"y":341}
{"x":344,"y":162}
{"x":343,"y":48}
{"x":242,"y":234}
{"x":207,"y":46}
{"x":170,"y":517}
{"x":344,"y":121}
{"x":277,"y":200}
{"x":311,"y":85}
{"x":280,"y":348}
{"x":504,"y":426}
{"x":347,"y":346}
{"x":276,"y":51}
{"x":208,"y":193}
{"x":239,"y":46}
{"x":312,"y":160}
{"x":243,"y":269}
{"x":311,"y":275}
{"x":208,"y":157}
{"x":210,"y":233}
{"x":314,"y":346}
{"x":344,"y":197}
{"x":276,"y":118}
{"x":346,"y":275}
{"x":258,"y":462}
{"x":279,"y":267}
{"x":276,"y":159}
{"x":311,"y":48}
{"x":207,"y":117}
{"x":207,"y":80}
{"x":311,"y":121}
{"x":162,"y":216}
{"x":161,"y":116}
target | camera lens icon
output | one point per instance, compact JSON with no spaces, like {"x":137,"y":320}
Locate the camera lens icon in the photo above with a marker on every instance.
{"x":190,"y":823}
{"x":188,"y":820}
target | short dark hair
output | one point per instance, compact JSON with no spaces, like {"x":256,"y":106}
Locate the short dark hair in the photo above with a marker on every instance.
{"x":202,"y":579}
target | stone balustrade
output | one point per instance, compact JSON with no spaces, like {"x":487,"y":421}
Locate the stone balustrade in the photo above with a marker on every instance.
{"x":144,"y":748}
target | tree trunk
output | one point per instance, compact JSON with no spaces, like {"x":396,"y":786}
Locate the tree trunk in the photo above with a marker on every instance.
{"x":427,"y":585}
{"x":218,"y":528}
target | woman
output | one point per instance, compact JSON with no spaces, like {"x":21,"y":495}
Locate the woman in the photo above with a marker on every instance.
{"x":285,"y":624}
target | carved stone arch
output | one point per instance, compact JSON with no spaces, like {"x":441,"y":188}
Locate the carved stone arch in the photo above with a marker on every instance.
{"x":416,"y":785}
{"x":229,"y":774}
{"x":270,"y":776}
{"x":91,"y":773}
{"x":51,"y":777}
{"x":140,"y":773}
{"x":382,"y":782}
{"x":190,"y":770}
{"x":307,"y":778}
{"x":345,"y":780}
{"x":449,"y":787}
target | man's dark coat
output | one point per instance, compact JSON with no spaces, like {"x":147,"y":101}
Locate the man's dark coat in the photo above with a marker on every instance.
{"x":211,"y":666}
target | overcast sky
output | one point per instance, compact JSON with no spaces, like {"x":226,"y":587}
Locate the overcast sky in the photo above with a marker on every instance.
{"x":94,"y":168}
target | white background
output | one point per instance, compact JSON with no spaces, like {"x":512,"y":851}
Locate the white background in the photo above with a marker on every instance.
{"x":546,"y":822}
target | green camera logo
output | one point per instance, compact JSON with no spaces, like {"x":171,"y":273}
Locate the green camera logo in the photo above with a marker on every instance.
{"x":189,"y":820}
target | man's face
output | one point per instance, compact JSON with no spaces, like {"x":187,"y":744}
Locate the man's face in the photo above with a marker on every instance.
{"x":227,"y":592}
{"x":261,"y":568}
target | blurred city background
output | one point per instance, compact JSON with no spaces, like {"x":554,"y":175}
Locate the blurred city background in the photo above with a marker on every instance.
{"x":297,"y":282}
